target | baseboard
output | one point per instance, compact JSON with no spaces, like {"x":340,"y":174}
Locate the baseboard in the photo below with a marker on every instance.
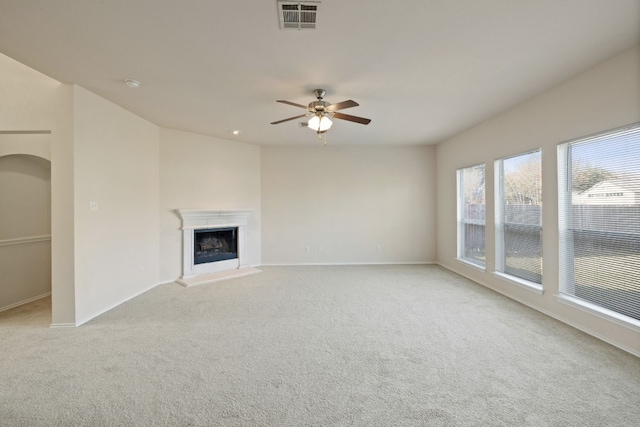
{"x":27,"y":301}
{"x":93,"y":316}
{"x":345,"y":263}
{"x":62,"y":325}
{"x":548,"y":313}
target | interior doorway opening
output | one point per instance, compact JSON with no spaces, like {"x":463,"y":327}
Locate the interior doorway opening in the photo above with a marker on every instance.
{"x":25,"y":229}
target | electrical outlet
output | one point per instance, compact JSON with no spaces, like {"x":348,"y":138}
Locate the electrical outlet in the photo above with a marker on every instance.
{"x":307,"y":248}
{"x":93,"y":206}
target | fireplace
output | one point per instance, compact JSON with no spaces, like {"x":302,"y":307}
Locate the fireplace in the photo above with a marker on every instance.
{"x":213,"y":245}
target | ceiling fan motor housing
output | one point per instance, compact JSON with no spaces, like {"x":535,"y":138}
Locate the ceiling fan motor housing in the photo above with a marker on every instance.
{"x":318,"y":106}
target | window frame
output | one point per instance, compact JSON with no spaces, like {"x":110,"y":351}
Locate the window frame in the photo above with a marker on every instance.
{"x":461,"y":222}
{"x":566,"y":273}
{"x":499,"y":230}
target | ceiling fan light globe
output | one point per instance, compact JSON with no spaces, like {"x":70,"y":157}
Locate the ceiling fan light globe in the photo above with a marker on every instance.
{"x":319,"y":123}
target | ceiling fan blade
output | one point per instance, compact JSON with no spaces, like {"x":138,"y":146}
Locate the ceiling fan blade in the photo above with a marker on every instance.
{"x":290,"y":118}
{"x":350,"y":118}
{"x":342,"y":105}
{"x":292,"y":103}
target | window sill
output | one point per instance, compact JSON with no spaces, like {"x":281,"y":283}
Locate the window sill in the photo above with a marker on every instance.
{"x":530,"y":286}
{"x":472,"y":264}
{"x":601,"y":312}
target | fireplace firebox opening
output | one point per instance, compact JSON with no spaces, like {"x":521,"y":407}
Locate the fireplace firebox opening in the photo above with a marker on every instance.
{"x":211,"y":245}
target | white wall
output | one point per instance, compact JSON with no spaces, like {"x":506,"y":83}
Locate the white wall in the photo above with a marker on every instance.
{"x":342,"y":202}
{"x":25,"y":196}
{"x":116,"y":159}
{"x":25,"y":228}
{"x":100,"y":152}
{"x":201,"y":172}
{"x":33,"y":102}
{"x":604,"y":97}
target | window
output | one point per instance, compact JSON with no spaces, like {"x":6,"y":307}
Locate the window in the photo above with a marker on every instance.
{"x":599,"y":222}
{"x":519,"y":218}
{"x":471,"y":214}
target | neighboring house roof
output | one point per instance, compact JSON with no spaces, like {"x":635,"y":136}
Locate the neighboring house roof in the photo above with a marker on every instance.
{"x":617,"y":191}
{"x":626,"y":183}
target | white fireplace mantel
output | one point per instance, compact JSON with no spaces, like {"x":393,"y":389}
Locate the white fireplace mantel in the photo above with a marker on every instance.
{"x":205,"y":218}
{"x":198,"y":219}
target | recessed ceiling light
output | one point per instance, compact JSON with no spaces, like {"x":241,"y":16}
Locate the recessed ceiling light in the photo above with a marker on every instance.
{"x":235,"y":131}
{"x":132,"y":83}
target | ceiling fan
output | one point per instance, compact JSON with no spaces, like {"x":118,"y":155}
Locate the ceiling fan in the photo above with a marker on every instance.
{"x":321,"y":113}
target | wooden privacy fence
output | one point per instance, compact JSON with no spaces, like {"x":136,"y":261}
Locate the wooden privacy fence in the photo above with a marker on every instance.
{"x":605,"y":218}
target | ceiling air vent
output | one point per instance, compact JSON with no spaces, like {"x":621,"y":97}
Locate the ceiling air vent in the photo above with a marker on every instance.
{"x":298,"y":15}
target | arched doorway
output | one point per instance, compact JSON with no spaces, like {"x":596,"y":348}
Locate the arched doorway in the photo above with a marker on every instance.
{"x":25,"y":220}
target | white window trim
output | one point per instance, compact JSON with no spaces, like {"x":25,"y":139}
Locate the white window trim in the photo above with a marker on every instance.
{"x":498,"y":218}
{"x":477,"y":266}
{"x":460,"y":222}
{"x":498,"y":167}
{"x":601,"y":312}
{"x":525,"y":284}
{"x":460,"y":215}
{"x":565,"y":272}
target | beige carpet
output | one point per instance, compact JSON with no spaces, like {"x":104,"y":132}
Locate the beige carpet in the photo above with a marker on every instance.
{"x":314,"y":346}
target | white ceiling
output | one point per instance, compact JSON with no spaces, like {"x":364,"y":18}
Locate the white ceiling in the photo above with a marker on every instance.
{"x":422,"y":70}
